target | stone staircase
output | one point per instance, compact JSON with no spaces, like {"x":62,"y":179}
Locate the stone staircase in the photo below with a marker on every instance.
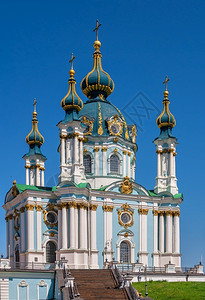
{"x":98,"y":284}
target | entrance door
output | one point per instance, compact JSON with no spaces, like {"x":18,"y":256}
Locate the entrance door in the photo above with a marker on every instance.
{"x":50,"y":252}
{"x":125,"y":252}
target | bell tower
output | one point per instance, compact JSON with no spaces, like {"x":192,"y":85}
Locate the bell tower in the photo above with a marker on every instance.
{"x":34,"y":159}
{"x":166,"y":149}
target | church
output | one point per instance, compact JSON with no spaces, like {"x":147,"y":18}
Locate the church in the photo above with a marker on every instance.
{"x":97,"y":213}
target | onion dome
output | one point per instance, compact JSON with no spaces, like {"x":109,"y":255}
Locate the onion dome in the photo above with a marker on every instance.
{"x":34,"y":137}
{"x":72,"y":101}
{"x":97,"y":82}
{"x":166,"y":119}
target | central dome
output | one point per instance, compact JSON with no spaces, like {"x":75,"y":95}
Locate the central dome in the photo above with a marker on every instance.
{"x":97,"y":82}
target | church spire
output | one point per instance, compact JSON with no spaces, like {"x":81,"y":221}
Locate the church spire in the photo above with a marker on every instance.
{"x":72,"y":102}
{"x":97,"y":83}
{"x":34,"y":137}
{"x":34,"y":158}
{"x":166,"y":120}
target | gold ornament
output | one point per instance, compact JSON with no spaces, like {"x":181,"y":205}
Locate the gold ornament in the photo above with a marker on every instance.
{"x":125,"y":208}
{"x":126,"y":187}
{"x":115,"y":121}
{"x":89,"y":124}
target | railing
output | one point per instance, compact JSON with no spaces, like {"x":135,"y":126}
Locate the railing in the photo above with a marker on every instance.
{"x":131,"y":292}
{"x":32,"y":266}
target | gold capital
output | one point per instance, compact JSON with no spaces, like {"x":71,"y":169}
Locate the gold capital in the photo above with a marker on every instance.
{"x":176,"y":213}
{"x":155,"y":212}
{"x":104,"y":149}
{"x":63,"y":205}
{"x":96,"y":149}
{"x":143,"y":211}
{"x":39,"y":207}
{"x":29,"y":207}
{"x":108,"y":208}
{"x":93,"y":207}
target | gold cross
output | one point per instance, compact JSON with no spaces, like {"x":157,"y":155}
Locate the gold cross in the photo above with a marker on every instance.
{"x":165,"y":82}
{"x":34,"y":104}
{"x":71,"y":61}
{"x":96,"y":29}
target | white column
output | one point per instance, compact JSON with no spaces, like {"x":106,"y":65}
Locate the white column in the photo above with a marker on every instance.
{"x":171,"y":165}
{"x":93,"y":244}
{"x":104,"y":149}
{"x":39,"y":230}
{"x":75,"y":148}
{"x":62,"y":158}
{"x":82,"y":226}
{"x":37,"y":174}
{"x":161,"y":232}
{"x":81,"y":150}
{"x":129,"y":166}
{"x":11,"y":236}
{"x":155,"y":212}
{"x":59,"y":227}
{"x":124,"y":163}
{"x":97,"y":160}
{"x":108,"y":232}
{"x":32,"y":175}
{"x":7,"y":236}
{"x":30,"y":227}
{"x":168,"y":231}
{"x":176,"y":232}
{"x":76,"y":226}
{"x":22,"y":217}
{"x":86,"y":225}
{"x":42,"y":175}
{"x":64,"y":226}
{"x":159,"y":163}
{"x":72,"y":225}
{"x":27,"y":175}
{"x":144,"y":231}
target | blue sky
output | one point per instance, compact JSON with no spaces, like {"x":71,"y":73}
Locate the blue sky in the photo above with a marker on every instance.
{"x":142,"y":41}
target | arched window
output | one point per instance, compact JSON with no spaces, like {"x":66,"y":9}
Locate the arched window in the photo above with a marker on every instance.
{"x":114,"y":164}
{"x":50,"y":252}
{"x":124,"y":252}
{"x":87,"y":163}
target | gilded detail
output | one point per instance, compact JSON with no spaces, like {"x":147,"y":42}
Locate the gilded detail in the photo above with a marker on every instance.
{"x":128,"y":221}
{"x":155,"y":212}
{"x":143,"y":211}
{"x":104,"y":149}
{"x":96,"y":149}
{"x":39,"y":207}
{"x":100,"y":128}
{"x":93,"y":207}
{"x":22,"y":209}
{"x":29,"y":207}
{"x":108,"y":208}
{"x":126,"y":187}
{"x":89,"y":124}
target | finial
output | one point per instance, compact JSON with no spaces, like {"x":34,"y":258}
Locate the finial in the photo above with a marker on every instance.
{"x":166,"y":93}
{"x":71,"y":61}
{"x":96,"y":29}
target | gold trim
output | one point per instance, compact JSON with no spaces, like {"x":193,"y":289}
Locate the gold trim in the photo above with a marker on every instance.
{"x":89,"y":123}
{"x":126,"y":187}
{"x":124,"y":152}
{"x":100,"y":128}
{"x":143,"y":211}
{"x":116,"y":140}
{"x":72,"y":204}
{"x":114,"y":121}
{"x":168,"y":213}
{"x":93,"y":207}
{"x":6,"y":218}
{"x":134,"y":133}
{"x":29,"y":207}
{"x":155,"y":212}
{"x":174,"y":154}
{"x":129,"y":154}
{"x":52,"y":234}
{"x":85,"y":150}
{"x":159,"y":151}
{"x":63,"y":204}
{"x":108,"y":208}
{"x":96,"y":149}
{"x":39,"y":207}
{"x":45,"y":212}
{"x":125,"y":208}
{"x":22,"y":209}
{"x":76,"y":134}
{"x":115,"y":150}
{"x":104,"y":149}
{"x":176,"y":213}
{"x":10,"y":217}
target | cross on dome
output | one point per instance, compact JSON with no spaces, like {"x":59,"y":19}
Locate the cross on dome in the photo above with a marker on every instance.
{"x":96,"y":29}
{"x":71,"y":60}
{"x":165,"y":82}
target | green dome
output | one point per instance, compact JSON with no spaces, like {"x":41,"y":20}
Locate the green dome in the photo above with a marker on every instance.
{"x":97,"y":82}
{"x":34,"y":137}
{"x":166,"y":119}
{"x":72,"y":101}
{"x":101,"y":114}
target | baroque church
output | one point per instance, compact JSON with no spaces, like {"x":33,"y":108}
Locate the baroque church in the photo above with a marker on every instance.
{"x":97,"y":213}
